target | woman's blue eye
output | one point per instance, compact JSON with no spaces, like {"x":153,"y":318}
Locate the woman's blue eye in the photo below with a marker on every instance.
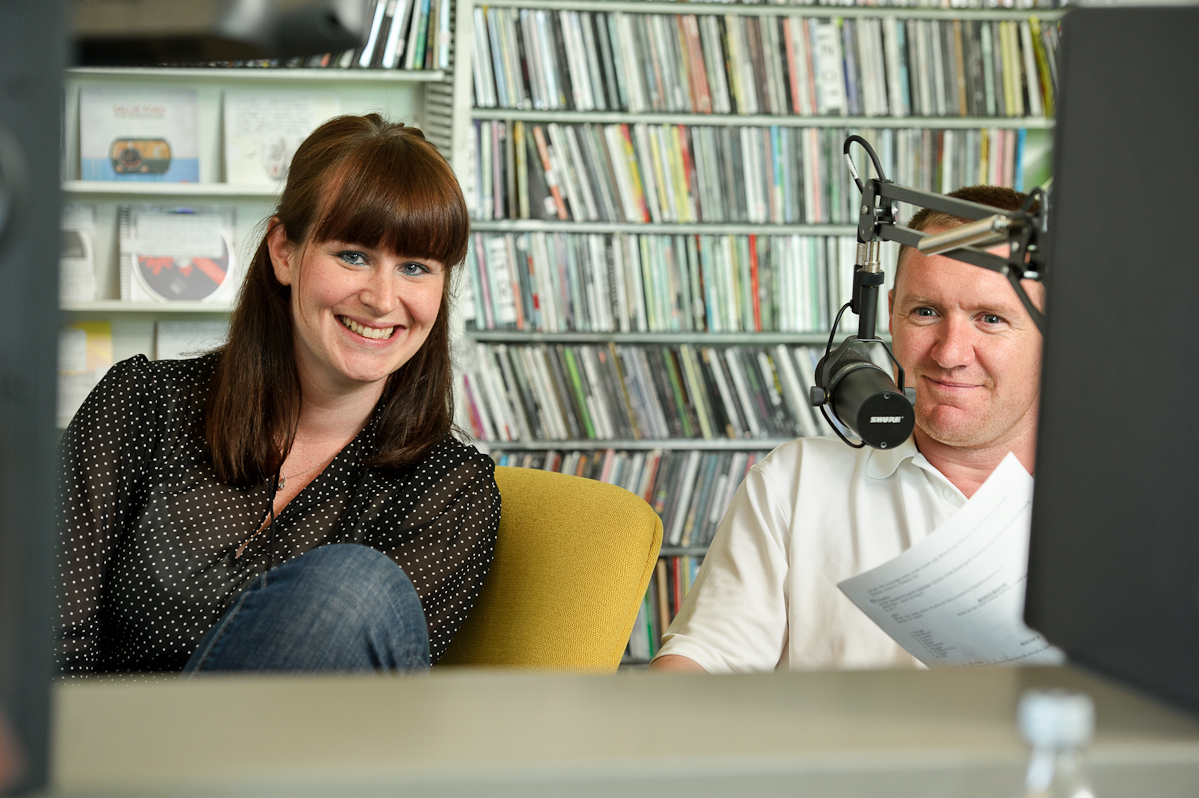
{"x":414,"y":268}
{"x":353,"y":258}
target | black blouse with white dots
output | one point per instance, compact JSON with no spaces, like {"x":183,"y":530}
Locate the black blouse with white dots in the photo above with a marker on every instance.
{"x":148,"y":561}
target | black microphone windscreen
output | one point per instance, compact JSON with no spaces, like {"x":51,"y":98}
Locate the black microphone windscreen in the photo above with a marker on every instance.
{"x":866,"y":400}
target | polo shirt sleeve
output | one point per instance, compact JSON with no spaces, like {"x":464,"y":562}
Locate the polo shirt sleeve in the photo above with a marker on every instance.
{"x":734,"y":619}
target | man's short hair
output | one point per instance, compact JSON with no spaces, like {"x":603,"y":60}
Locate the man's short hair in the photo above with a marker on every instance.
{"x":996,"y":196}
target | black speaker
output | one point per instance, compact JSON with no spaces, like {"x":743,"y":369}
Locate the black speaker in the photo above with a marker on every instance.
{"x":1113,"y":573}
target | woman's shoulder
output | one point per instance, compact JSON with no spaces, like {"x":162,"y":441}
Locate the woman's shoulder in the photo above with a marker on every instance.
{"x":448,"y":462}
{"x":452,"y":454}
{"x":144,"y":399}
{"x":163,"y":384}
{"x":139,"y":368}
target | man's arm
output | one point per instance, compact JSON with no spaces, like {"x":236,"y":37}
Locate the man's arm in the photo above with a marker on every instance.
{"x":734,"y":618}
{"x":676,"y":663}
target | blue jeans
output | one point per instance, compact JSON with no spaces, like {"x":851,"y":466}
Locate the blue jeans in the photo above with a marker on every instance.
{"x":341,"y":607}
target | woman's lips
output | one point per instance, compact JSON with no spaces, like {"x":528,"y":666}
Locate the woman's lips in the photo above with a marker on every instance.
{"x":371,"y":333}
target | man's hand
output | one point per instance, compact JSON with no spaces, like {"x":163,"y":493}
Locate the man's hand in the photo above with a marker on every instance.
{"x":673,"y":662}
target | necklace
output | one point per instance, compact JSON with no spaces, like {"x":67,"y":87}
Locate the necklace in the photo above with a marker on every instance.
{"x":283,"y":479}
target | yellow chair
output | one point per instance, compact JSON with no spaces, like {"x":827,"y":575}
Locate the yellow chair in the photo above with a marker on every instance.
{"x":572,"y":562}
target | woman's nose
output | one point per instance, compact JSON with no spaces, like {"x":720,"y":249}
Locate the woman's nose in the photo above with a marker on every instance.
{"x":380,"y":293}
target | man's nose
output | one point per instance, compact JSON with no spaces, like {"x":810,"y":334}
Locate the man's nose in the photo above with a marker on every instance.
{"x":955,"y":344}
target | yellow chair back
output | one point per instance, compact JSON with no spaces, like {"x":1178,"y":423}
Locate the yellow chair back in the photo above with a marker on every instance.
{"x":572,"y":562}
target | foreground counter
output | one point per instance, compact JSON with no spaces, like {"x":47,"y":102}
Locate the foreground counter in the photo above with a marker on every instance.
{"x":488,"y":733}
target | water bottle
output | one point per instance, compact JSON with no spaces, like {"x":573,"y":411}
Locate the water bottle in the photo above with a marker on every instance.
{"x":1058,"y":725}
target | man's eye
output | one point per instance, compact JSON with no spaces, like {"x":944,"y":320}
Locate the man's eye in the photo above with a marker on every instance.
{"x":927,"y":312}
{"x":991,"y":318}
{"x":353,"y":258}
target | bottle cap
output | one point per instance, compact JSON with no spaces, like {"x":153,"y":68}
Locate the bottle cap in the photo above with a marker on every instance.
{"x":1056,"y":718}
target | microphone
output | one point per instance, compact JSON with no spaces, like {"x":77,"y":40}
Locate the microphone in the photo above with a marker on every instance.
{"x":864,"y":398}
{"x":862,"y":395}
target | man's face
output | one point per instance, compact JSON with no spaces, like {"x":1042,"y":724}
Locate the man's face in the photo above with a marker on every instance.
{"x":970,"y":349}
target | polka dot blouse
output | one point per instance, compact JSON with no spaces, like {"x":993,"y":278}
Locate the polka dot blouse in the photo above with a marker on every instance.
{"x":148,"y":562}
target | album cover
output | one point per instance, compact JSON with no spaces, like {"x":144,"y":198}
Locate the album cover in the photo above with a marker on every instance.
{"x":176,"y":340}
{"x":138,"y":133}
{"x":84,"y":356}
{"x":177,"y":254}
{"x":264,"y":128}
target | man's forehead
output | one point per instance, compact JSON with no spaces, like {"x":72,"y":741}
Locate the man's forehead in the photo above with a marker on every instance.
{"x":943,"y":281}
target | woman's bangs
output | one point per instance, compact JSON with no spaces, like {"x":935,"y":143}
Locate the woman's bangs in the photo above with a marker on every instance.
{"x":396,"y":198}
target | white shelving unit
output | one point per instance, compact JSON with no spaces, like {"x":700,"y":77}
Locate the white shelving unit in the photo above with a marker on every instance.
{"x":413,"y":97}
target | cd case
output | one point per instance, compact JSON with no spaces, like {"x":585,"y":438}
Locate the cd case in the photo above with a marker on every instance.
{"x":77,"y":257}
{"x":263,"y":129}
{"x":177,"y":254}
{"x":139,"y":133}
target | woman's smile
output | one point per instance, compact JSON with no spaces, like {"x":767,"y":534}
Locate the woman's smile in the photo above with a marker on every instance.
{"x":360,"y":312}
{"x":366,"y":331}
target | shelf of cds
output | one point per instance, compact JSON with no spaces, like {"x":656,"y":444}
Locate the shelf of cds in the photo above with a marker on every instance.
{"x":663,"y":222}
{"x":765,"y":59}
{"x":682,"y":394}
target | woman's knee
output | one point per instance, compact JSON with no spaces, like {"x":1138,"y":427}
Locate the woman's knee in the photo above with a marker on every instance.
{"x":355,"y":576}
{"x":338,"y":607}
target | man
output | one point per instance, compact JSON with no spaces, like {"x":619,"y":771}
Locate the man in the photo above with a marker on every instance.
{"x":816,"y":512}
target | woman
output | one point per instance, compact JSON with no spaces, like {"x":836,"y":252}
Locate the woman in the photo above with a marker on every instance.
{"x":206,"y":502}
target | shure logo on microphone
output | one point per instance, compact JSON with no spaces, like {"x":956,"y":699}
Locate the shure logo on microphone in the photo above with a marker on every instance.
{"x":886,"y":419}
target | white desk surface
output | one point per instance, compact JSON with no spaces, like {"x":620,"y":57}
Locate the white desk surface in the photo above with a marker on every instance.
{"x":495,"y":733}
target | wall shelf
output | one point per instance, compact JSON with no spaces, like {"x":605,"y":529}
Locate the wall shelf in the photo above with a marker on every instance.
{"x":108,"y":306}
{"x":766,"y":120}
{"x":699,"y":338}
{"x":139,"y":188}
{"x":740,"y":9}
{"x":683,"y":551}
{"x":263,"y":74}
{"x":705,"y":444}
{"x":652,"y":228}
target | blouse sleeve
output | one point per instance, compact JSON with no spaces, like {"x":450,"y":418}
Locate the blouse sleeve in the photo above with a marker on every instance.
{"x":449,"y":540}
{"x":105,"y":458}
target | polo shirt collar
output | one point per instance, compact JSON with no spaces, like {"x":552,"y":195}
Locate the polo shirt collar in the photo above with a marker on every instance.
{"x":884,"y":462}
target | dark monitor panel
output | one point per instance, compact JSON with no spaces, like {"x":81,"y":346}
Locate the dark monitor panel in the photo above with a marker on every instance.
{"x":31,"y":63}
{"x":1114,"y":559}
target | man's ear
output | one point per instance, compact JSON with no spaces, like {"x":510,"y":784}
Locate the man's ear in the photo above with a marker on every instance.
{"x":281,"y":252}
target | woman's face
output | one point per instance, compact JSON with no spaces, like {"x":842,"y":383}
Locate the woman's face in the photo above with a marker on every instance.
{"x":359,"y":312}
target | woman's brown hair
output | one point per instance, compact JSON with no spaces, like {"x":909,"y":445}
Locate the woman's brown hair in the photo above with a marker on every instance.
{"x":375,"y":183}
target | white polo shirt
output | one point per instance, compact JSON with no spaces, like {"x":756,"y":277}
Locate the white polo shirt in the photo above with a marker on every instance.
{"x":812,"y":513}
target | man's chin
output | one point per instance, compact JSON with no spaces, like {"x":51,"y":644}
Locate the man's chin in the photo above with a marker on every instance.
{"x":952,"y":427}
